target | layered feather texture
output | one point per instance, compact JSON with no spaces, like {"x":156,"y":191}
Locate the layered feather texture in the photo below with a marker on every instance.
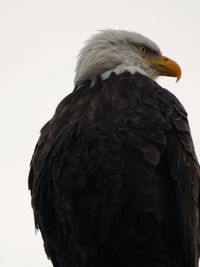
{"x":115,"y":180}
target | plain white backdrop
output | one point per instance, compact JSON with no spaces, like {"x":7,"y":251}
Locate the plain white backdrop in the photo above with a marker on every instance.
{"x":39,"y":43}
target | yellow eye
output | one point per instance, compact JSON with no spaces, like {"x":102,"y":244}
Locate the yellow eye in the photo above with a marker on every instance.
{"x":143,"y":49}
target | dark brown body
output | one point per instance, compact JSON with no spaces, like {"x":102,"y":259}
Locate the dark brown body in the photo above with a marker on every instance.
{"x":115,"y":180}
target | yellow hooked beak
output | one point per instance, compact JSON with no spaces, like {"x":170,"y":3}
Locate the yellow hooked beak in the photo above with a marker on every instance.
{"x":166,"y":67}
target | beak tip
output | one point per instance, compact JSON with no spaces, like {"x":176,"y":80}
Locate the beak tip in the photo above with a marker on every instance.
{"x":178,"y":75}
{"x":178,"y":78}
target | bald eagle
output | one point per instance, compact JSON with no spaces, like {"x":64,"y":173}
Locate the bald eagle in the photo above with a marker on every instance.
{"x":114,"y":178}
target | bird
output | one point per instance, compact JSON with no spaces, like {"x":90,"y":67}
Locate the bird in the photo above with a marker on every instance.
{"x":114,"y":177}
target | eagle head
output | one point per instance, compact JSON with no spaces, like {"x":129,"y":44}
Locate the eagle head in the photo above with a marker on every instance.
{"x":118,"y":51}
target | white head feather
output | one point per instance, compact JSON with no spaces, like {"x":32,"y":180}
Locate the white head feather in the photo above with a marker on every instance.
{"x":113,"y":50}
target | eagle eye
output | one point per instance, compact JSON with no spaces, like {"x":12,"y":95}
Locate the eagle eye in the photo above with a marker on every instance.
{"x":143,"y":50}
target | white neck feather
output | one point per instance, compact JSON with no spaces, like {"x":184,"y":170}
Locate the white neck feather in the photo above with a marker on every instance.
{"x":120,"y":69}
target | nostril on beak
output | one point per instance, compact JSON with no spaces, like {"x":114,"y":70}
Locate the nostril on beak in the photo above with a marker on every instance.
{"x":166,"y":59}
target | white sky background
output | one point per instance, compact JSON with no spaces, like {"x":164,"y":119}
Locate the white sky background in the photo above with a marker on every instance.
{"x":39,"y":42}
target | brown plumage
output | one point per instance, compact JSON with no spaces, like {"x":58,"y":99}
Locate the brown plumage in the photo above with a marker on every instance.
{"x":114,"y":178}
